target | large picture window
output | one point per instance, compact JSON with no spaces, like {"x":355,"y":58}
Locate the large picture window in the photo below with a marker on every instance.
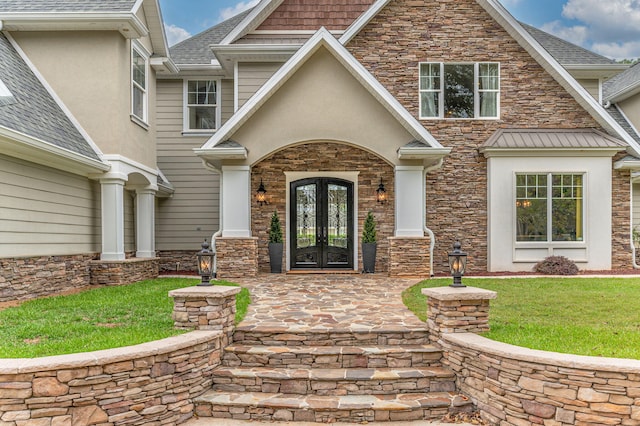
{"x":201,"y":105}
{"x":549,"y":207}
{"x":466,"y":90}
{"x":139,"y":84}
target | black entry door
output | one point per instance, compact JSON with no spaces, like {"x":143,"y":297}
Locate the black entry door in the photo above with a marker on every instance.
{"x":321,"y":233}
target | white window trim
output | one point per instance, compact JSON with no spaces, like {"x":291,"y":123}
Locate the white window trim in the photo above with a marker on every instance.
{"x":140,"y":49}
{"x":550,"y":243}
{"x":185,"y":107}
{"x":476,"y":91}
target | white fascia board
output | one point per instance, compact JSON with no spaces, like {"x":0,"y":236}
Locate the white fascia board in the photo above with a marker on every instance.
{"x":252,"y":20}
{"x":161,"y":63}
{"x":323,"y":38}
{"x":625,"y":93}
{"x":426,"y":154}
{"x":627,"y":164}
{"x":126,"y":23}
{"x":362,"y":21}
{"x":153,"y":14}
{"x":229,"y":55}
{"x":20,"y":145}
{"x":559,"y":73}
{"x":237,"y":153}
{"x":595,"y":71}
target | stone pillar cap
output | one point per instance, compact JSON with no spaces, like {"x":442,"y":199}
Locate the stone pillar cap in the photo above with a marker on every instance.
{"x":459,"y":293}
{"x":205,"y":291}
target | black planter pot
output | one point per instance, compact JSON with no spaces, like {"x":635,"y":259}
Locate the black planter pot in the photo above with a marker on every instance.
{"x":275,"y":257}
{"x":369,"y":257}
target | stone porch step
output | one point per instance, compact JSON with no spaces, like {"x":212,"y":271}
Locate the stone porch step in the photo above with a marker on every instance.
{"x":334,"y":381}
{"x":239,"y":355}
{"x":327,"y":409}
{"x":304,"y":336}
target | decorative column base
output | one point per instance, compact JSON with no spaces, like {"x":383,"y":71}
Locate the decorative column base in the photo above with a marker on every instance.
{"x":206,"y":308}
{"x":237,"y":257}
{"x":457,"y":310}
{"x":409,"y":257}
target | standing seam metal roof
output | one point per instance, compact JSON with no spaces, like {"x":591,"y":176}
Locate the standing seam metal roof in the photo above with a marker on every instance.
{"x":551,"y":139}
{"x":35,"y":112}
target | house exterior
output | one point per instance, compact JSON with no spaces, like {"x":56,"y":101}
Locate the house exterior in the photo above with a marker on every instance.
{"x":120,"y":155}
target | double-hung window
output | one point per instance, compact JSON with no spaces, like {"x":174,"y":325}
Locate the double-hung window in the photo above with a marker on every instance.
{"x":139,"y":81}
{"x":459,"y":90}
{"x":549,"y":207}
{"x":201,"y":105}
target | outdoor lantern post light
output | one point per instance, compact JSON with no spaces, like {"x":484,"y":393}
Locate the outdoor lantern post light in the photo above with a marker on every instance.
{"x":261,"y":194}
{"x":381,"y":193}
{"x":457,"y":265}
{"x":205,"y":264}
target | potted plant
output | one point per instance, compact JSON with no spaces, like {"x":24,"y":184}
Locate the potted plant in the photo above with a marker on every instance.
{"x":369,"y":244}
{"x":275,"y":244}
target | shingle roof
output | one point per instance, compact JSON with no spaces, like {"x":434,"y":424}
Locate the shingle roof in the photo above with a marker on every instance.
{"x":195,"y":50}
{"x":53,"y":6}
{"x":614,"y":112}
{"x":551,"y":139}
{"x":625,"y":80}
{"x":35,"y":112}
{"x":564,"y":52}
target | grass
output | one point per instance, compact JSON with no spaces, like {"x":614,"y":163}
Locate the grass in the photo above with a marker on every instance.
{"x":101,"y":318}
{"x":584,"y":316}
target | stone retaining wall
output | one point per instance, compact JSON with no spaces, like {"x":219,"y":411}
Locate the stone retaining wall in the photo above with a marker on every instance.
{"x":518,"y":386}
{"x":116,"y":272}
{"x":33,"y":277}
{"x":151,"y":383}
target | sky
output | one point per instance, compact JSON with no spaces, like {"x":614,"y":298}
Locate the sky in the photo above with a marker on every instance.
{"x":608,"y":27}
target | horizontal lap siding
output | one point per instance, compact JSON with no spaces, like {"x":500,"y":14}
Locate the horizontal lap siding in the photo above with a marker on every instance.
{"x":252,"y":76}
{"x":44,"y":211}
{"x":192,"y":213}
{"x":592,"y":86}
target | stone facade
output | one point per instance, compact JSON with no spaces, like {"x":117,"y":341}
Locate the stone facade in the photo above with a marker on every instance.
{"x":33,"y":277}
{"x":110,"y":272}
{"x":409,"y":257}
{"x":406,"y":33}
{"x":621,"y":255}
{"x":178,"y":260}
{"x":237,"y":257}
{"x":323,"y":157}
{"x":151,"y":383}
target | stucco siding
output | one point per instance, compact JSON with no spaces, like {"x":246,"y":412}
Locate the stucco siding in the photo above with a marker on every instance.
{"x":191,"y":213}
{"x":44,"y":211}
{"x":251,"y":76}
{"x":592,"y":85}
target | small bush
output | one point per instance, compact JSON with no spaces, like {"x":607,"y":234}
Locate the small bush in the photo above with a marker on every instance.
{"x":556,"y":265}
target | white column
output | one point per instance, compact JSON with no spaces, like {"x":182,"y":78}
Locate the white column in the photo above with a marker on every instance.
{"x":409,"y":196}
{"x":145,"y":223}
{"x":236,"y":201}
{"x":112,"y":190}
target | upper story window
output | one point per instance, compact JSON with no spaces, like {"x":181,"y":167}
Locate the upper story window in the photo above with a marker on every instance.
{"x":459,"y":90}
{"x":202,"y":105}
{"x":549,"y":207}
{"x":139,"y":81}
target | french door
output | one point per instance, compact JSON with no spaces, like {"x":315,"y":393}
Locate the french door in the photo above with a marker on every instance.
{"x":321,"y":224}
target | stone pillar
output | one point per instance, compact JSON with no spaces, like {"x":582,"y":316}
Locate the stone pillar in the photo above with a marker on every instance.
{"x":237,"y":257}
{"x":206,"y":308}
{"x":457,"y":310}
{"x":112,"y":192}
{"x":409,"y":257}
{"x":410,"y":193}
{"x":145,"y":223}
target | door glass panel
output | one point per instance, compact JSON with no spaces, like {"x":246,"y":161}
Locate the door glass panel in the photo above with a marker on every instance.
{"x":337,"y":220}
{"x":306,"y":216}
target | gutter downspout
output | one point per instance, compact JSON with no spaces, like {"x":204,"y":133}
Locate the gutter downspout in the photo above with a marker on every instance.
{"x":633,"y":246}
{"x":218,"y":233}
{"x":432,"y":237}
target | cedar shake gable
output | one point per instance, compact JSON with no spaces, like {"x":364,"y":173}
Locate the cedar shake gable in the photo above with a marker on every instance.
{"x":314,"y":14}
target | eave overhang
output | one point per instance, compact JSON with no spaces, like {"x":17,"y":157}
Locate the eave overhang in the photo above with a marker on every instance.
{"x":628,"y":163}
{"x":624,"y":93}
{"x":163,"y":65}
{"x":252,"y":20}
{"x":604,"y":71}
{"x":127,"y":23}
{"x":217,"y":154}
{"x":427,"y":155}
{"x":31,"y":149}
{"x":228,"y":55}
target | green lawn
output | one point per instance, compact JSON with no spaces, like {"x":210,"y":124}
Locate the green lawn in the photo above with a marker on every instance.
{"x":585,"y":316}
{"x":100,"y":318}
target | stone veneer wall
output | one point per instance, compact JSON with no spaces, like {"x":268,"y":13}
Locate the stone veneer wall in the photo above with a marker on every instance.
{"x":407,"y":32}
{"x":321,"y":157}
{"x":151,"y":383}
{"x":178,"y":260}
{"x":237,"y":257}
{"x":33,"y":277}
{"x":409,"y":257}
{"x":110,"y":272}
{"x":621,"y":254}
{"x":519,"y":386}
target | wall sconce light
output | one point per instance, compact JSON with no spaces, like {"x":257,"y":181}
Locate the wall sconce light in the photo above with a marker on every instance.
{"x":205,"y":264}
{"x":457,"y":264}
{"x":381,"y":193}
{"x":261,"y":194}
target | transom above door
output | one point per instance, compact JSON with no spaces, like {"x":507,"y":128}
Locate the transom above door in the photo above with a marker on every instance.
{"x":321,"y":224}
